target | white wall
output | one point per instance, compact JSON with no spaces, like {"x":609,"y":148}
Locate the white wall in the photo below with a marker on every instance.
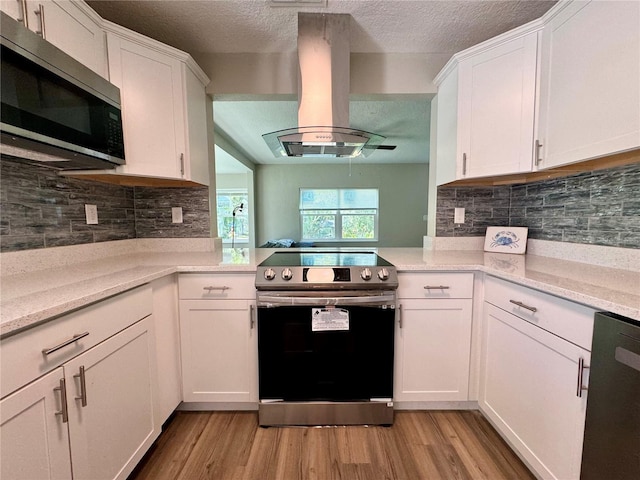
{"x":402,"y":188}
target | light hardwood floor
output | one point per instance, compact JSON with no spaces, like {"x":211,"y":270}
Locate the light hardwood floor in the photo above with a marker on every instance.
{"x":420,"y":445}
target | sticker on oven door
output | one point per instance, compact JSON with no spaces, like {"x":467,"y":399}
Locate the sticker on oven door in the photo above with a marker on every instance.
{"x":329,"y":319}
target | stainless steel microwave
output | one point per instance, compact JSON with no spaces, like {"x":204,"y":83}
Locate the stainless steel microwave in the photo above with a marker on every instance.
{"x":55,"y":111}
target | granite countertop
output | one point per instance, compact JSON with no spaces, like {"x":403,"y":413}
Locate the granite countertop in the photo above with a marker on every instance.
{"x":34,"y":297}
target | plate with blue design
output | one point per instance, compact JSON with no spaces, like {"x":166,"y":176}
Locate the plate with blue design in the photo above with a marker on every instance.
{"x":506,"y":239}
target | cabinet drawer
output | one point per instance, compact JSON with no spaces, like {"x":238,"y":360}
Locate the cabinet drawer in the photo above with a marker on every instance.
{"x":435,"y":285}
{"x":216,"y":286}
{"x":23,"y":357}
{"x":561,"y":317}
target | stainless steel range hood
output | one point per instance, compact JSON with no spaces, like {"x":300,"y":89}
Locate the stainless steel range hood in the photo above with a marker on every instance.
{"x":323,"y":94}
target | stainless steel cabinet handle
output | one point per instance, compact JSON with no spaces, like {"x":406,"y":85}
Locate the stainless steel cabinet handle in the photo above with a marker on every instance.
{"x":222,"y":288}
{"x":464,"y":164}
{"x":64,"y":410}
{"x":182,"y":164}
{"x":436,"y":287}
{"x":252,"y":321}
{"x":23,"y":12}
{"x":75,"y":338}
{"x":581,"y":369}
{"x":40,"y":12}
{"x":83,"y":386}
{"x":536,"y":155}
{"x":400,"y":315}
{"x":520,"y":304}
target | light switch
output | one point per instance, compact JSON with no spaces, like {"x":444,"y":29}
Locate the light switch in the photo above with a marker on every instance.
{"x":458,"y":216}
{"x":176,"y":214}
{"x":91,"y":213}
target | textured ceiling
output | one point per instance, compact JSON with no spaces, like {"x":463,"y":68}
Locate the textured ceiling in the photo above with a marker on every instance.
{"x":378,"y":26}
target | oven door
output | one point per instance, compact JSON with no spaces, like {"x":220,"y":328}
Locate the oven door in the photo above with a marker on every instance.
{"x":326,"y":346}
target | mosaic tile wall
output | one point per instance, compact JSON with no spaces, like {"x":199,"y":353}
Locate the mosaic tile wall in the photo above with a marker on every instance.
{"x":600,"y":207}
{"x":39,"y":209}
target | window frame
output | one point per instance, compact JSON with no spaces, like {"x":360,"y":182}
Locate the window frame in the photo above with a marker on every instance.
{"x":244,"y":214}
{"x":339,"y":213}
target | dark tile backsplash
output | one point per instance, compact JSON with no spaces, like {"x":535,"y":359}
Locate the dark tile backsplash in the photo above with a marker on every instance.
{"x":39,"y":209}
{"x":153,"y":212}
{"x":600,"y":207}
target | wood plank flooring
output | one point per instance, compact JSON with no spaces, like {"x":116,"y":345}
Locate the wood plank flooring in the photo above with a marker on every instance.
{"x":420,"y":445}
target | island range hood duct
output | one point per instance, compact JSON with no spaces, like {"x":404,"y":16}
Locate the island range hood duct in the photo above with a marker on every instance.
{"x":323,"y":95}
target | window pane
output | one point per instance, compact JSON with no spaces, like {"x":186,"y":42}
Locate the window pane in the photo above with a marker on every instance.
{"x":226,"y":202}
{"x":358,"y":226}
{"x":318,"y":198}
{"x":317,"y":227}
{"x":359,"y":198}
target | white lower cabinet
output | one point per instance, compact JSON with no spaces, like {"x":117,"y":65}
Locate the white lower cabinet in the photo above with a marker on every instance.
{"x":530,"y":388}
{"x":167,"y":332}
{"x":34,"y":439}
{"x":219,"y":340}
{"x":433,"y":337}
{"x":91,"y":409}
{"x":110,"y":434}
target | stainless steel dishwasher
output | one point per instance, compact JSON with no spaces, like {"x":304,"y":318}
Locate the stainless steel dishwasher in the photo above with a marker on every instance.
{"x":612,"y":429}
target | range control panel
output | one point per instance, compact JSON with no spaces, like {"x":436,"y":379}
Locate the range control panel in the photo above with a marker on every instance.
{"x":353,"y":277}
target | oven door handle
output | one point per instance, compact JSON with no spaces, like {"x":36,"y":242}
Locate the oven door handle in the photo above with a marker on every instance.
{"x":279,"y":301}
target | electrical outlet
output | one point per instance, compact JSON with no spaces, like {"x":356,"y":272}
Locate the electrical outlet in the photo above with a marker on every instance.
{"x":458,"y":216}
{"x":91,"y":213}
{"x":176,"y":214}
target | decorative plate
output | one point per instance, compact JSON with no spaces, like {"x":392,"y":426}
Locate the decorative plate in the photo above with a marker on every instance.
{"x":506,"y":239}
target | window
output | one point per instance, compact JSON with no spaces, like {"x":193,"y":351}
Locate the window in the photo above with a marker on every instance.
{"x":339,"y":214}
{"x":228,"y":201}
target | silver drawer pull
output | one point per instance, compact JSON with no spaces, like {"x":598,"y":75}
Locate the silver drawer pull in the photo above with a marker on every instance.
{"x":64,"y":410}
{"x":581,"y":369}
{"x":520,"y":304}
{"x":436,"y":287}
{"x":75,"y":338}
{"x":222,"y":288}
{"x":83,"y":386}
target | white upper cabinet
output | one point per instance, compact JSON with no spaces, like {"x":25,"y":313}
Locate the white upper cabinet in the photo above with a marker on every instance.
{"x":559,"y":90}
{"x":590,"y":82}
{"x":71,"y":26}
{"x":163,"y":107}
{"x":496,"y":106}
{"x":486,"y":106}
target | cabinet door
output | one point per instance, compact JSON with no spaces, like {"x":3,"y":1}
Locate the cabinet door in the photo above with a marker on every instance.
{"x":151,"y":90}
{"x":34,"y":439}
{"x":497,"y":90}
{"x":589,"y":95}
{"x":13,"y":8}
{"x":219,"y":350}
{"x":530,"y":392}
{"x":112,"y":432}
{"x":72,"y":30}
{"x":71,"y":26}
{"x":433,"y":345}
{"x":167,"y":346}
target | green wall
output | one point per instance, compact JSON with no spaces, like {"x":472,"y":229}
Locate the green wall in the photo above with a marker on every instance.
{"x":402,"y":188}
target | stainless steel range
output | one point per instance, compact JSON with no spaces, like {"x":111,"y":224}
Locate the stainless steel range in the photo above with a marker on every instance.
{"x":325,"y":338}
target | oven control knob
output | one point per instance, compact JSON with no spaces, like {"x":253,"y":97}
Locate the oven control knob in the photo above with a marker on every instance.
{"x":365,"y":274}
{"x":269,"y":274}
{"x":287,"y":274}
{"x":383,"y":274}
